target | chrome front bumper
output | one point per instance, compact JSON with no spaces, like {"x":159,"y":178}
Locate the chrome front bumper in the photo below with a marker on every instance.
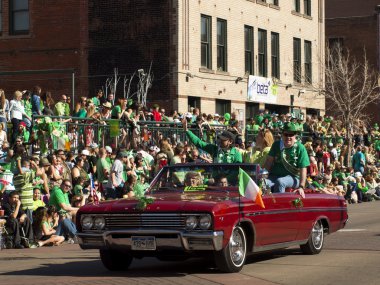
{"x":165,"y":239}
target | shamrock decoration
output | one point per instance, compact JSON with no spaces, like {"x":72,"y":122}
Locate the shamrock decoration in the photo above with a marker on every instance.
{"x":297,"y":203}
{"x":144,"y":202}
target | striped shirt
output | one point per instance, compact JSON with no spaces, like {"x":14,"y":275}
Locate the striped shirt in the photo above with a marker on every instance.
{"x":24,"y":184}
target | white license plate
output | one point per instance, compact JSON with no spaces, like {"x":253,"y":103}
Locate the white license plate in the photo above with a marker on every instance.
{"x":143,"y":243}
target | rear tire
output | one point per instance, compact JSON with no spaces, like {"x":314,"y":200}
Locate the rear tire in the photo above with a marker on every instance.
{"x":115,"y":260}
{"x":315,"y":243}
{"x":232,"y":258}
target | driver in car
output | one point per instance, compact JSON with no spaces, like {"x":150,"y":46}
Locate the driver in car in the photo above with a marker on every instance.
{"x":193,"y":179}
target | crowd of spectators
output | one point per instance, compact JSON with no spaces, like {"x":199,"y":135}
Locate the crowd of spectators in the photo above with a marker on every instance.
{"x":44,"y":182}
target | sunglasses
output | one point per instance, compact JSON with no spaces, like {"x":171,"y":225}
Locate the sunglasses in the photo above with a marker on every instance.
{"x":95,"y":185}
{"x":288,"y":135}
{"x":68,"y":186}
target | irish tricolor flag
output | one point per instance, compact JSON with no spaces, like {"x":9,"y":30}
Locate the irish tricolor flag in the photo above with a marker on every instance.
{"x":249,"y":189}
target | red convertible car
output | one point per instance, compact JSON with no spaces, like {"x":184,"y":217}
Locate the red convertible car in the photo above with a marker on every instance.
{"x":196,"y":209}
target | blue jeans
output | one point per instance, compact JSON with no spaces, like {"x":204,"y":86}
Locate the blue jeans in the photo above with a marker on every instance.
{"x":66,"y":227}
{"x":279,"y":184}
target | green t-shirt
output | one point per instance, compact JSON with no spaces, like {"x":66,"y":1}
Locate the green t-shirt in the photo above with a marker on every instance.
{"x":27,"y":107}
{"x":102,"y":164}
{"x":58,"y":197}
{"x":95,"y":101}
{"x":296,"y":156}
{"x":219,"y":155}
{"x":38,"y":203}
{"x":82,"y":113}
{"x":115,"y":112}
{"x":62,"y":109}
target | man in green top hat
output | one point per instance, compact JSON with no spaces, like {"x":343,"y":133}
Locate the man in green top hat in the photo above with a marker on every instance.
{"x":224,"y":152}
{"x":287,"y":162}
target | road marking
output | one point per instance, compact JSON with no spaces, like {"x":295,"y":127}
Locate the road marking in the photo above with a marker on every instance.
{"x":352,"y":230}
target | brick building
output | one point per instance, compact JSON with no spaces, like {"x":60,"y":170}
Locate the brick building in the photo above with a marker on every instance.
{"x":202,"y":52}
{"x":355,"y":26}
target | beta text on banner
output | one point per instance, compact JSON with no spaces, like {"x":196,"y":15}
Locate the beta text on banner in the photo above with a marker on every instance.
{"x":261,"y":89}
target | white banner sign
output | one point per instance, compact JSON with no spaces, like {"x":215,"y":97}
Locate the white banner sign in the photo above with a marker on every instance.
{"x":261,"y":89}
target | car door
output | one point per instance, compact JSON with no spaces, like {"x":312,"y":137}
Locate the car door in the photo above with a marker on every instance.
{"x":279,"y":221}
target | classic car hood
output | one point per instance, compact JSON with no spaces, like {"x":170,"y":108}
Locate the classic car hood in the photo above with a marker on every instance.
{"x":170,"y":202}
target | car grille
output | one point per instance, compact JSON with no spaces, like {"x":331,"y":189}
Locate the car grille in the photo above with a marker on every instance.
{"x":117,"y":221}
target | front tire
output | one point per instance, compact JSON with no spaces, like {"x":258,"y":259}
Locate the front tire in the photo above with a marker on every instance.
{"x":115,"y":260}
{"x":315,"y":243}
{"x":232,"y":258}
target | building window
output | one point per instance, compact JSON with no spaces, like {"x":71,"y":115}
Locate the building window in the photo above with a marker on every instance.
{"x":221,"y":44}
{"x":193,"y":102}
{"x":275,"y":47}
{"x":297,"y":60}
{"x":248,"y":49}
{"x":222,"y":106}
{"x":308,"y":66}
{"x":18,"y":17}
{"x":307,"y":7}
{"x":262,"y":60}
{"x":206,"y":42}
{"x":274,"y":2}
{"x":297,"y":6}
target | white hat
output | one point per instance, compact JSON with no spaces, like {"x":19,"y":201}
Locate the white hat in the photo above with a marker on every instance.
{"x":188,"y":115}
{"x":154,"y":148}
{"x":85,"y":152}
{"x":176,"y":121}
{"x":94,"y":145}
{"x":216,"y":115}
{"x":358,"y":174}
{"x":108,"y":149}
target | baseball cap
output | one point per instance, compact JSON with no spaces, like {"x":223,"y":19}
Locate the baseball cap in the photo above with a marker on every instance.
{"x":108,"y":149}
{"x":85,"y":152}
{"x":226,"y":135}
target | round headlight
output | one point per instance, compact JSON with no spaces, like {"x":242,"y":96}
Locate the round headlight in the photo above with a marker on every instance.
{"x":87,"y":222}
{"x":191,"y":222}
{"x":99,"y":223}
{"x":205,"y":222}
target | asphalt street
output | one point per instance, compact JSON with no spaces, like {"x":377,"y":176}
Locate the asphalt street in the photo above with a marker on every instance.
{"x":350,"y":256}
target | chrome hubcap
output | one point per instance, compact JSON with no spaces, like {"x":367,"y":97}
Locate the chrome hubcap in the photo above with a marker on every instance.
{"x":317,"y":235}
{"x":237,"y":247}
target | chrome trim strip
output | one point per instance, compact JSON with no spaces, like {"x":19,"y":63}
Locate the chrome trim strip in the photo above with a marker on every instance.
{"x":276,"y":212}
{"x":278,"y":245}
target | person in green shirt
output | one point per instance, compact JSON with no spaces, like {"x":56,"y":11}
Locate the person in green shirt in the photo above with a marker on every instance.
{"x":97,"y":98}
{"x":27,"y":107}
{"x":59,"y":197}
{"x":103,"y":166}
{"x":37,"y":202}
{"x":62,"y":108}
{"x":23,"y":132}
{"x":287,"y":162}
{"x":224,"y":152}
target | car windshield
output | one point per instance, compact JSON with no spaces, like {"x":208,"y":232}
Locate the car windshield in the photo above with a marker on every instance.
{"x":201,"y":177}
